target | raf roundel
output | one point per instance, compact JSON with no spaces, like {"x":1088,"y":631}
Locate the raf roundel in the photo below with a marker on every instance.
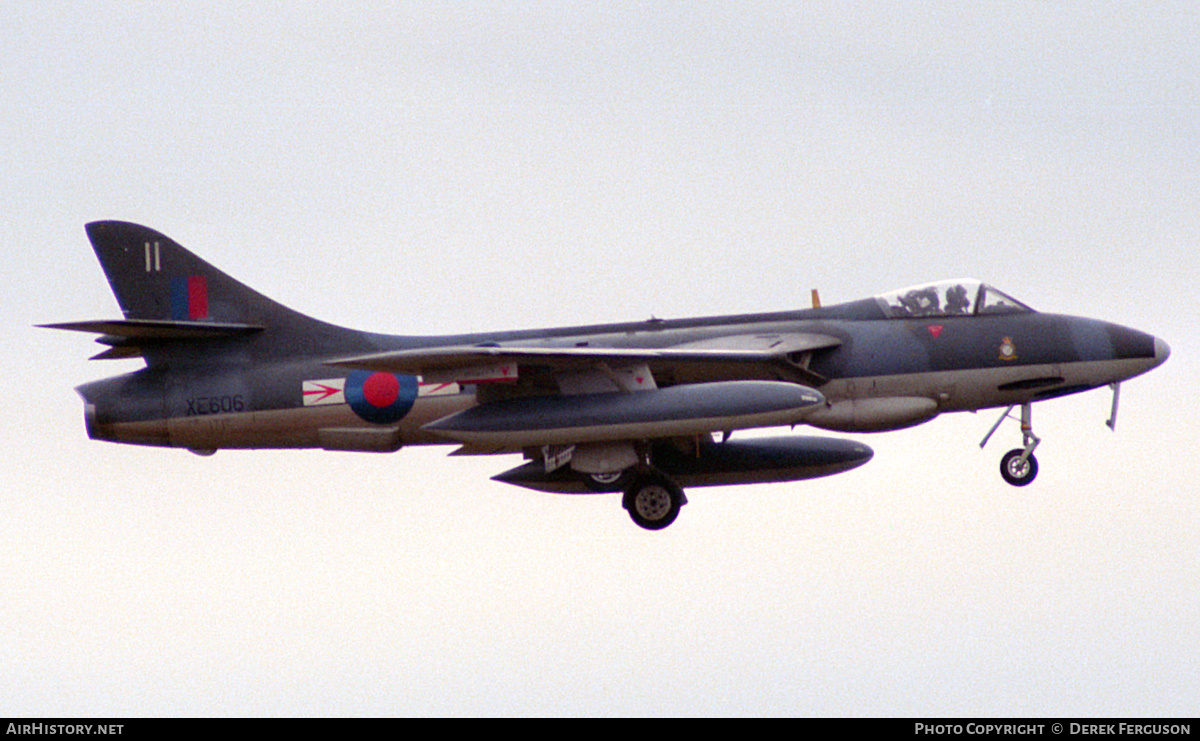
{"x":381,"y":390}
{"x":381,"y":398}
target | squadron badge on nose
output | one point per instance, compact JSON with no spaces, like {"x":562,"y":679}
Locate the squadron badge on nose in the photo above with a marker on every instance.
{"x":1008,"y":350}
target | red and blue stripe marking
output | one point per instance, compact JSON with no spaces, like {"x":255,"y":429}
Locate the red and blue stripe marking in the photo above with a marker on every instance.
{"x":189,"y":298}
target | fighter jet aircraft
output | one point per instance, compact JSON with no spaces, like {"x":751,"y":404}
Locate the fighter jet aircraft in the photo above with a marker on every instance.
{"x":642,"y":408}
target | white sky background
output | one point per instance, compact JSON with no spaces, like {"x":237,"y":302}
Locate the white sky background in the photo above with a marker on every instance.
{"x":428,"y":168}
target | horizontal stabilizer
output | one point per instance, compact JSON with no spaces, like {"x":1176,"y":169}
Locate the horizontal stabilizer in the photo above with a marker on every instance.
{"x":125,"y":337}
{"x":149,"y":329}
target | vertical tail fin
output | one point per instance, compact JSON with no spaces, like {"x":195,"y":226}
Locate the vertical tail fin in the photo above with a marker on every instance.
{"x":154,"y":278}
{"x":169,"y":295}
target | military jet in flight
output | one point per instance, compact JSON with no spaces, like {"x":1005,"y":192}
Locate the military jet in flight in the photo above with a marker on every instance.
{"x":643,"y":408}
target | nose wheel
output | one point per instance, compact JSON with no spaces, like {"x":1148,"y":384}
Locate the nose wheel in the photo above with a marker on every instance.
{"x":1019,"y":467}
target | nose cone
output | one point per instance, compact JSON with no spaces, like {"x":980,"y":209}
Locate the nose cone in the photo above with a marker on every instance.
{"x":1162,"y":351}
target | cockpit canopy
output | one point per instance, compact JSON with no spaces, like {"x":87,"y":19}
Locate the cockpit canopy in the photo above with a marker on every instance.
{"x":963,"y":297}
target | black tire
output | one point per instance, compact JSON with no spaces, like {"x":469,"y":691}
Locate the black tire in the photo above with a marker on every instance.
{"x":653,"y":501}
{"x":1016,"y":473}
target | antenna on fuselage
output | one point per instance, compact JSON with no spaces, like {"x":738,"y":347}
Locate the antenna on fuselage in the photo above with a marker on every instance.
{"x":816,"y":299}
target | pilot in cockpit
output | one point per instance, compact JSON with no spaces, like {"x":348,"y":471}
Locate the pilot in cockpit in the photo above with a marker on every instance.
{"x":957,"y":300}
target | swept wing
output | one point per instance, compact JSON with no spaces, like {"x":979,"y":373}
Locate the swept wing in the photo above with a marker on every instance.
{"x":463,"y":362}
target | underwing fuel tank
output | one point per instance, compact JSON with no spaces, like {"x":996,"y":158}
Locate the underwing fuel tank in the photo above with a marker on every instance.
{"x":874,"y":415}
{"x":676,"y":411}
{"x":761,"y":460}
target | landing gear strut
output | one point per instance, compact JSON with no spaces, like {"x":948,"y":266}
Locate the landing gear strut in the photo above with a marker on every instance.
{"x":1019,"y":467}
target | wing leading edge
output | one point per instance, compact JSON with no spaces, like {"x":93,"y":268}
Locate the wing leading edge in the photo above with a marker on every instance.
{"x":447,"y":363}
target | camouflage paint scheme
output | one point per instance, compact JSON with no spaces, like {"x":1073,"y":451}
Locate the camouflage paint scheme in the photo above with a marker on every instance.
{"x":615,"y":407}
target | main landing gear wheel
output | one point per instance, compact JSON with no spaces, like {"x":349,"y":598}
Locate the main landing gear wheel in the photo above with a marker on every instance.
{"x":1016,"y":471}
{"x":653,"y":501}
{"x":608,"y":482}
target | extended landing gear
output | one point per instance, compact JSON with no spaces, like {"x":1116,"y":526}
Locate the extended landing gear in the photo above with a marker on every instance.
{"x":653,"y":500}
{"x":1018,"y":466}
{"x":608,"y":482}
{"x":650,"y":495}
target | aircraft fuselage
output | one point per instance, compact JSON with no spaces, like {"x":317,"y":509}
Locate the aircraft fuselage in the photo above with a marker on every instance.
{"x":942,"y":364}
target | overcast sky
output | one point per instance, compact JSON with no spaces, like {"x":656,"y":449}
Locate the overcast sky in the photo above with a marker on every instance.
{"x":452,"y":167}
